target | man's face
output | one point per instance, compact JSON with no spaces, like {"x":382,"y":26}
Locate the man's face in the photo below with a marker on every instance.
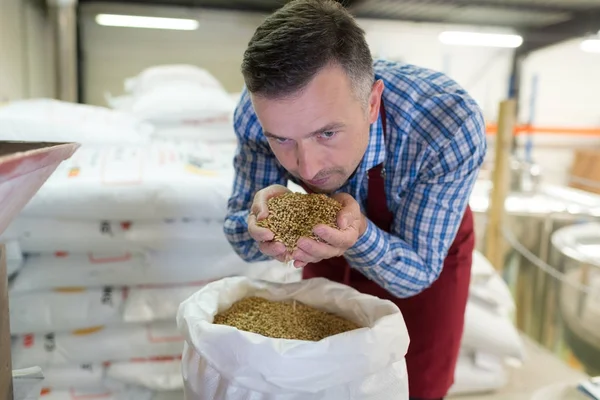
{"x":321,"y":133}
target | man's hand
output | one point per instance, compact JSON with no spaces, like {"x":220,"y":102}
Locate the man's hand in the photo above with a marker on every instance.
{"x":264,"y":236}
{"x":352,"y":224}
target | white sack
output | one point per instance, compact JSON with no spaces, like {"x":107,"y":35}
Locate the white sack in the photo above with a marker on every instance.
{"x":169,"y":395}
{"x":78,"y":308}
{"x":127,"y":183}
{"x":182,"y":103}
{"x":129,"y":393}
{"x":181,"y":95}
{"x":14,"y":257}
{"x":145,"y":304}
{"x":65,"y":310}
{"x":27,"y":383}
{"x":39,"y":120}
{"x":487,"y":331}
{"x":481,"y":268}
{"x":211,"y":130}
{"x":478,"y":373}
{"x":94,"y":345}
{"x":38,"y":235}
{"x":221,"y":362}
{"x":488,"y":288}
{"x":157,"y":303}
{"x":91,"y":270}
{"x":159,"y":374}
{"x":76,"y":377}
{"x":168,"y":74}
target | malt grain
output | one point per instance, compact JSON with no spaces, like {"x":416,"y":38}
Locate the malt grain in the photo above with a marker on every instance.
{"x":282,"y":320}
{"x":294,"y":215}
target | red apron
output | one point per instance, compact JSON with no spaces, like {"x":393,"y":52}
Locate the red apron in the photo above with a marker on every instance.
{"x":434,"y":318}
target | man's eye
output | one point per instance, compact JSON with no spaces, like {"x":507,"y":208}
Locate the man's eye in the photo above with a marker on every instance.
{"x":327,"y":135}
{"x":281,"y":140}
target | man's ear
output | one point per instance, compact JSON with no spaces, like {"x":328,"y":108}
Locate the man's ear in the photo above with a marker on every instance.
{"x":375,"y":100}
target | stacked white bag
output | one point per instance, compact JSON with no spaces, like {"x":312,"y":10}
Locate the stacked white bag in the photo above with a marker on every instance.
{"x":183,"y":102}
{"x":115,"y":239}
{"x":490,"y":340}
{"x":48,"y":120}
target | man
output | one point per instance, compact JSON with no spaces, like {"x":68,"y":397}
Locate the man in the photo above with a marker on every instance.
{"x":399,"y":146}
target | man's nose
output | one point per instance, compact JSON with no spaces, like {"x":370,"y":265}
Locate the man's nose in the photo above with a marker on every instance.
{"x":308,"y":166}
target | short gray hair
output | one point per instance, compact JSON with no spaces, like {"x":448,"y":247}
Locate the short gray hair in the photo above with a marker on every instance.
{"x":292,"y":45}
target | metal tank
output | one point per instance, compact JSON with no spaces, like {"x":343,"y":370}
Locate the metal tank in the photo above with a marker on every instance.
{"x":575,"y":254}
{"x":534,"y":211}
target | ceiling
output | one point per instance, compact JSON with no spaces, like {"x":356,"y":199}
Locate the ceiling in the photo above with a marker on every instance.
{"x":541,"y":22}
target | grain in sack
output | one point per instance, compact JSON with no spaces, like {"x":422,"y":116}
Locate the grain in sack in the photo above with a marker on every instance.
{"x":128,"y":183}
{"x":96,"y":345}
{"x":49,"y":120}
{"x":222,"y":362}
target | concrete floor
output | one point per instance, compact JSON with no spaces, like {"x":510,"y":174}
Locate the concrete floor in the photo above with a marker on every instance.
{"x":540,"y":370}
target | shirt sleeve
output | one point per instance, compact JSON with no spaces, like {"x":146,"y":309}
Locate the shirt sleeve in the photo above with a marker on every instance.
{"x":410,"y":258}
{"x":255,"y":168}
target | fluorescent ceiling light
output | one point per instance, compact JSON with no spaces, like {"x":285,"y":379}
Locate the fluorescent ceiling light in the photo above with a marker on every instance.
{"x":480,"y":39}
{"x":133,"y":21}
{"x":590,"y":46}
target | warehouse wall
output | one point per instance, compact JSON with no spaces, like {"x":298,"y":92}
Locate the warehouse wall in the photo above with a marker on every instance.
{"x":566,"y":76}
{"x":566,"y":108}
{"x":26,"y":63}
{"x":112,"y":54}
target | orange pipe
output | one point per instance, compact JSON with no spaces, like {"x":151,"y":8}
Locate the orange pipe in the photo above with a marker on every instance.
{"x":527,"y":129}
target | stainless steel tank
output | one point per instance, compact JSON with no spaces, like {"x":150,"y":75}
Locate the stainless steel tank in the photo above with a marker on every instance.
{"x":575,"y":254}
{"x":531,"y":217}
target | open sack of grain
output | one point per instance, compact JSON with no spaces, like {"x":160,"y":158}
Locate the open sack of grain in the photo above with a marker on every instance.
{"x":223,"y":362}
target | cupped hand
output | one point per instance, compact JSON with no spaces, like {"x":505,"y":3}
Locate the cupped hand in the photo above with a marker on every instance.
{"x":351,"y":223}
{"x":258,"y":212}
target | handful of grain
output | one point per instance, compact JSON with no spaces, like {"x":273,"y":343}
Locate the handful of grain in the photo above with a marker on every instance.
{"x":293,"y":215}
{"x":283,"y":320}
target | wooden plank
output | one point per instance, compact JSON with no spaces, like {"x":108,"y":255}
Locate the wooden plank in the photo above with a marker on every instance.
{"x":500,"y":180}
{"x":6,"y":388}
{"x":585,"y":171}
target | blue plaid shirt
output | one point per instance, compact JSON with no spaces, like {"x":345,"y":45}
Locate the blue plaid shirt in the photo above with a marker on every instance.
{"x":434,"y":146}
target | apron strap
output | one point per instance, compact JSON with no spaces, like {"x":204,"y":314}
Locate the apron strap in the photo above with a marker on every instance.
{"x":377,"y":210}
